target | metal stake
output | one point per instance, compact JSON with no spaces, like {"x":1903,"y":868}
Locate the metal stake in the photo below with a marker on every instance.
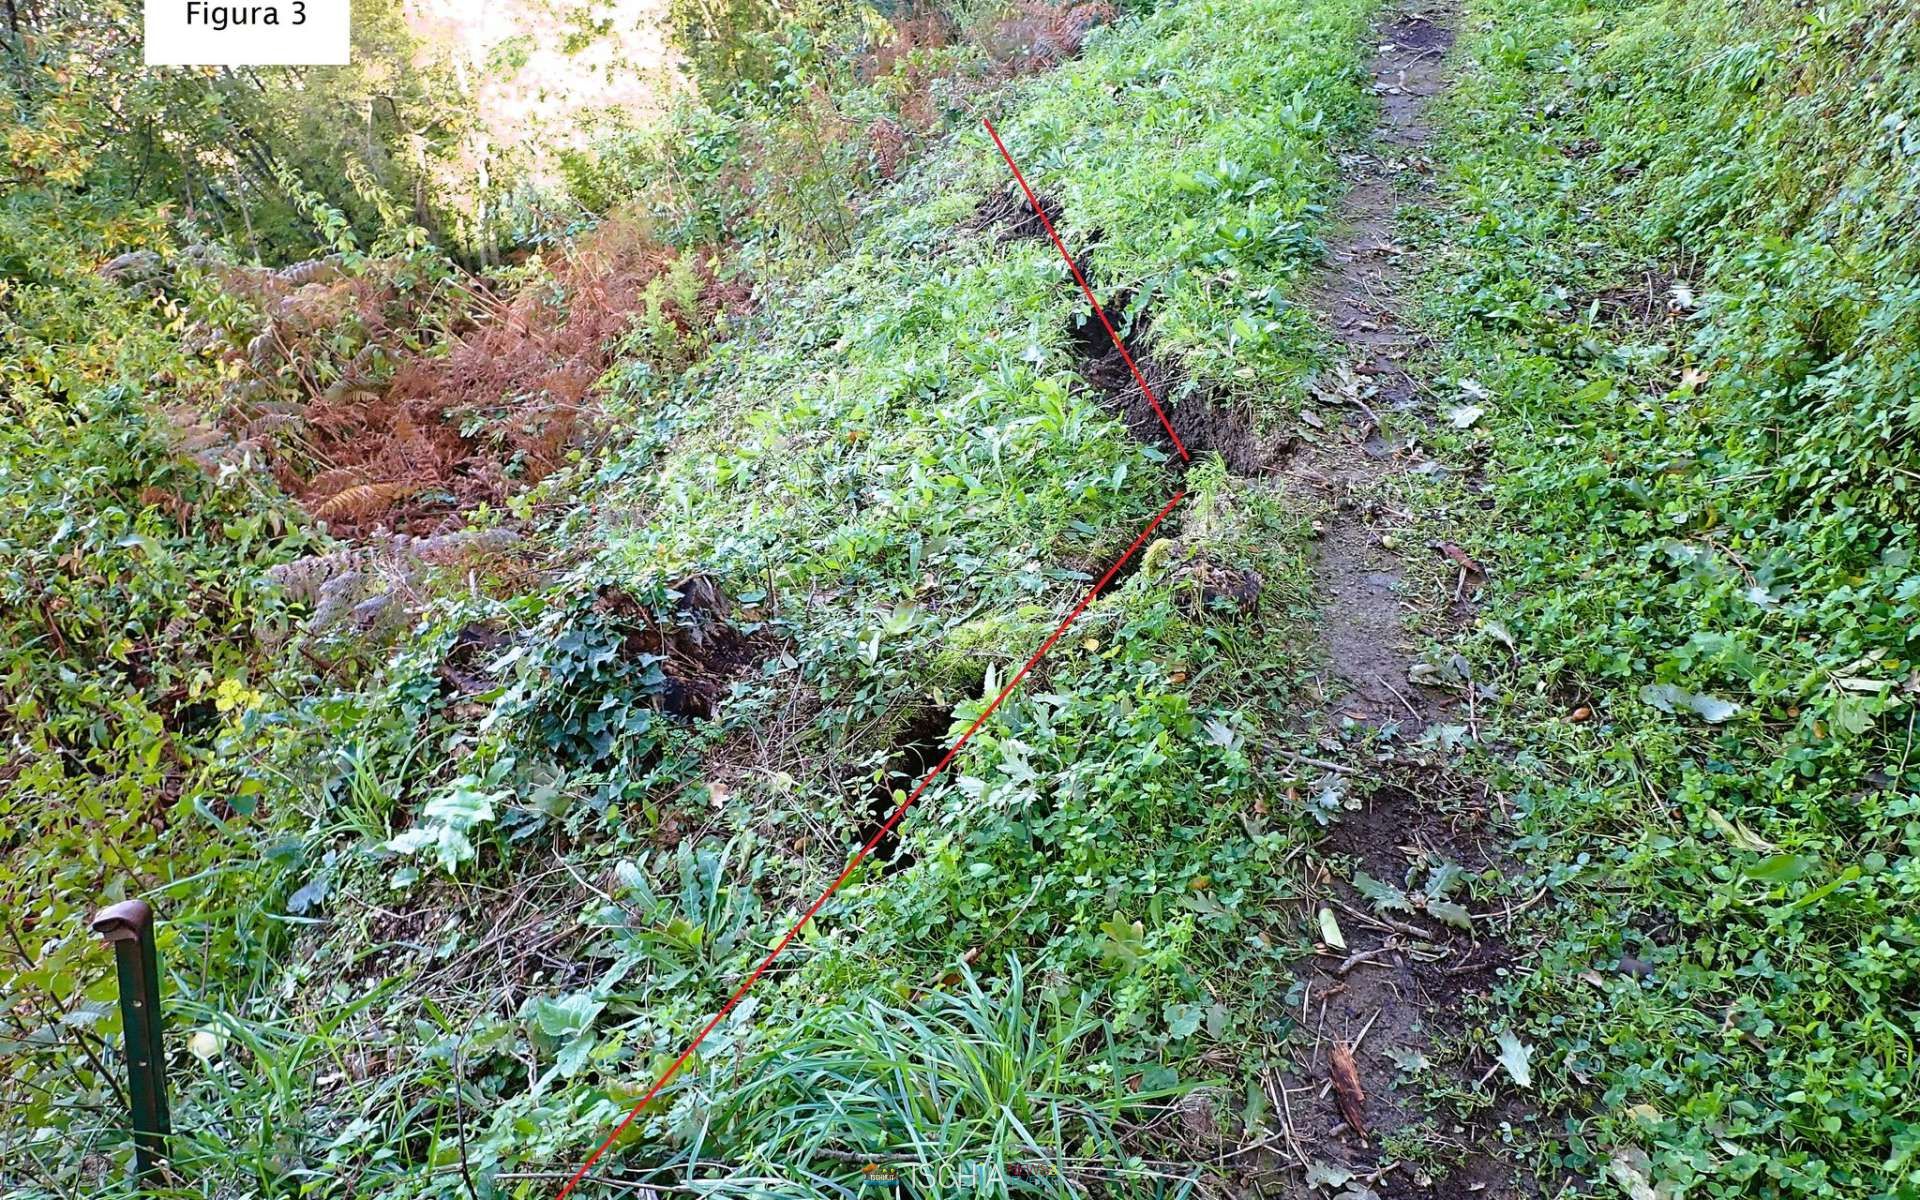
{"x":128,"y":927}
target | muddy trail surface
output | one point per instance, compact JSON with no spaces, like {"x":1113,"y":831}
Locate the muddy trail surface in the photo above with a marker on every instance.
{"x":1359,"y":577}
{"x":1404,"y":951}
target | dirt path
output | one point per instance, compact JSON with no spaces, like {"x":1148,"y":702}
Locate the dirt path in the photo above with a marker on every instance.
{"x":1386,"y":1002}
{"x":1358,"y":577}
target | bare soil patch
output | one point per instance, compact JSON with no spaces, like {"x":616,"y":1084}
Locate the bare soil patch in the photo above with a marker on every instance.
{"x":1008,"y":213}
{"x":701,"y":650}
{"x":1358,"y":575}
{"x":919,"y":746}
{"x":1201,"y":423}
{"x":1379,"y":1010}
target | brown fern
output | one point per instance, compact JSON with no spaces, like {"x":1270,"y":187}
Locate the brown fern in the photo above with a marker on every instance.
{"x":268,"y":424}
{"x":362,"y":500}
{"x":170,"y":503}
{"x":327,"y":483}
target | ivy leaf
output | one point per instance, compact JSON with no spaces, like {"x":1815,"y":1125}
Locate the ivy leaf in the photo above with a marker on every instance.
{"x":1183,"y":1020}
{"x":1669,"y":697}
{"x":1327,"y":1175}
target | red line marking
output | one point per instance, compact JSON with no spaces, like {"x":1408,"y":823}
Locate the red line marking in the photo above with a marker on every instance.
{"x":1119,"y":345}
{"x":866,"y":849}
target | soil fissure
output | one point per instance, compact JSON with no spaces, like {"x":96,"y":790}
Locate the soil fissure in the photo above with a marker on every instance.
{"x":1201,"y":421}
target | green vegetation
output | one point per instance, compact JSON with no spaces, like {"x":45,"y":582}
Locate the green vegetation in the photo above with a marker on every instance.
{"x":1683,"y":267}
{"x":902,"y":483}
{"x":244,"y":152}
{"x":482,"y":672}
{"x":129,"y":604}
{"x":906,"y":482}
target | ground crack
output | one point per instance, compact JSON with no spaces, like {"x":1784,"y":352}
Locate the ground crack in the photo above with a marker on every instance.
{"x":1202,"y":421}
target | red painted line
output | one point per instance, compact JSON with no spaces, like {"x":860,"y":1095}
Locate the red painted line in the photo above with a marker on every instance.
{"x":1034,"y":202}
{"x":866,"y":849}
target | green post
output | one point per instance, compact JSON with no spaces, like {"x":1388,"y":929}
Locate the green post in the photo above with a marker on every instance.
{"x":128,"y":927}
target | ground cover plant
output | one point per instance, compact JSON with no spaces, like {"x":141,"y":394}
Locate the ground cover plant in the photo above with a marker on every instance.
{"x":901,"y":493}
{"x":482,"y":633}
{"x":1676,"y":266}
{"x":848,"y":529}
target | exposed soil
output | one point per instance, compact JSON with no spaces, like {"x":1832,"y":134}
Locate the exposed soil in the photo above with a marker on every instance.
{"x":921,"y":743}
{"x":701,"y":650}
{"x":1398,"y":986}
{"x":1360,"y":579}
{"x":1201,"y":423}
{"x":1007,"y":212}
{"x":1657,"y":301}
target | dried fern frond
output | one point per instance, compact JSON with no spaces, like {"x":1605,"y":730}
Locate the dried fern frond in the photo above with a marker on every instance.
{"x":362,"y":365}
{"x":377,"y":612}
{"x":269,"y":424}
{"x":362,"y":500}
{"x":337,"y":598}
{"x":262,"y":350}
{"x":328,"y":483}
{"x":169,"y":502}
{"x":303,"y":578}
{"x":199,"y":439}
{"x":447,"y":549}
{"x":314,"y":270}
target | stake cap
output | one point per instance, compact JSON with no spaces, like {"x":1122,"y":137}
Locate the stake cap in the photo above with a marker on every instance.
{"x":123,"y":922}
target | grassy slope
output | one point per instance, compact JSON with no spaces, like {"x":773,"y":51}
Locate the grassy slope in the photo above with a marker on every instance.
{"x":899,"y":473}
{"x":911,"y":469}
{"x":878,"y":472}
{"x":1720,"y":500}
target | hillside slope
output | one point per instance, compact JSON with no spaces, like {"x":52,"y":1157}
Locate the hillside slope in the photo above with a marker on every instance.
{"x":1493,"y":776}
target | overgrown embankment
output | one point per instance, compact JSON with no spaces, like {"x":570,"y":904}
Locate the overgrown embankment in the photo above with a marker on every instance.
{"x":909,"y":479}
{"x":1678,"y":292}
{"x":504,"y":871}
